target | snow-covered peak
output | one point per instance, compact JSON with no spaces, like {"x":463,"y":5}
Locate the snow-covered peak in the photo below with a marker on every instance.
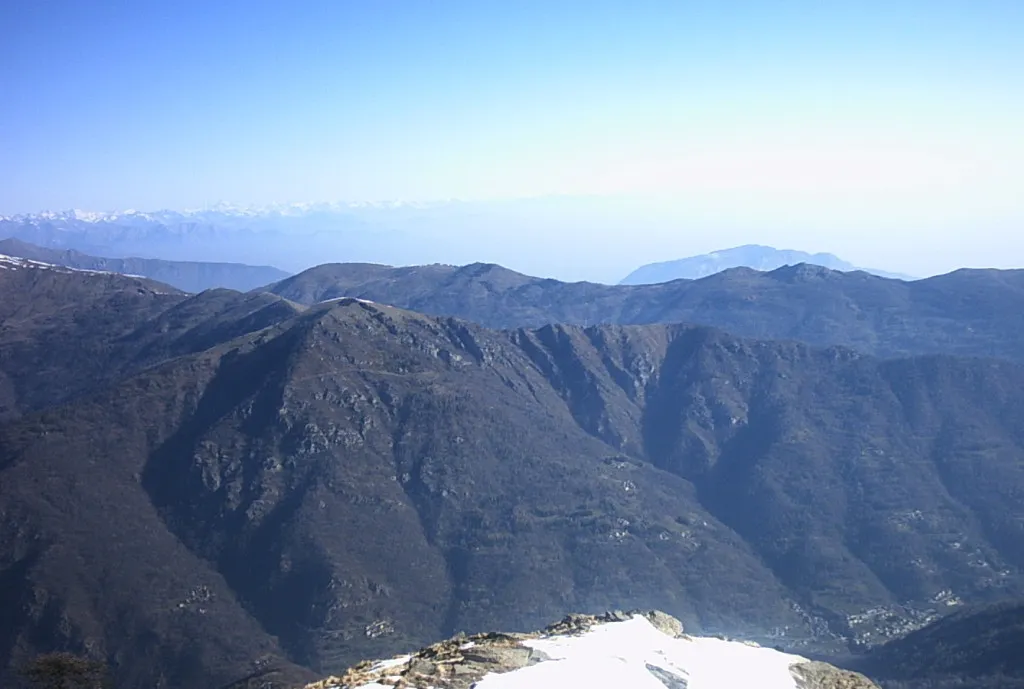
{"x":77,"y":215}
{"x":86,"y":216}
{"x":222,"y":209}
{"x":616,"y":651}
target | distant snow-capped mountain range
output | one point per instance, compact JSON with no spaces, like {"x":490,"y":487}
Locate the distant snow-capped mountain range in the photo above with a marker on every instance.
{"x":219,"y":209}
{"x":289,"y":236}
{"x":540,"y":237}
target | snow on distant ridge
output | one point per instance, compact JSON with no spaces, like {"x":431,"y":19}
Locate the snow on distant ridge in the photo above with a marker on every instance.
{"x":14,"y":263}
{"x":340,"y":299}
{"x":227,"y":209}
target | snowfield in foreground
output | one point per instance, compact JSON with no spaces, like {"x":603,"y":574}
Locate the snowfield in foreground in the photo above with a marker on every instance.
{"x":634,"y":654}
{"x":614,"y":651}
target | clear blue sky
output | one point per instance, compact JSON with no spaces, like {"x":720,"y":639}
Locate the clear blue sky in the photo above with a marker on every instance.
{"x":829,"y":116}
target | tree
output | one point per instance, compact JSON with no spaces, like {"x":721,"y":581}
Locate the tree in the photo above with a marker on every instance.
{"x":65,"y":671}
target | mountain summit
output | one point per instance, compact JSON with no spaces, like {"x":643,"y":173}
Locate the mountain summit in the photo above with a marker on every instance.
{"x":754,"y":256}
{"x":614,"y":650}
{"x":967,"y":312}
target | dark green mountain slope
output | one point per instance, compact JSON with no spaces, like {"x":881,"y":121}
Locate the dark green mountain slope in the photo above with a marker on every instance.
{"x":978,"y":648}
{"x":360,"y":479}
{"x":57,"y":327}
{"x":969,"y":312}
{"x":88,"y":566}
{"x":190,"y":276}
{"x":848,"y":475}
{"x":63,"y":332}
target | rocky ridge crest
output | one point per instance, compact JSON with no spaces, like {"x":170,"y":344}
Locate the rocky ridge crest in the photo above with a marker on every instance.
{"x":462,"y":662}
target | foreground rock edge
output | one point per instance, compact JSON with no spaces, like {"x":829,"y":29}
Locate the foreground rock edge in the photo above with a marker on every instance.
{"x":464,"y":660}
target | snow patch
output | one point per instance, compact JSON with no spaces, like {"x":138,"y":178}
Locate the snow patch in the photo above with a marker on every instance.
{"x":15,"y":262}
{"x":340,"y":299}
{"x":636,"y":655}
{"x":628,"y":654}
{"x":394,"y":662}
{"x":221,"y":209}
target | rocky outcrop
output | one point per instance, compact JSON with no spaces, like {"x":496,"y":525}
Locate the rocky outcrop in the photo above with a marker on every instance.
{"x":815,"y":675}
{"x":640,"y":645}
{"x":460,"y":662}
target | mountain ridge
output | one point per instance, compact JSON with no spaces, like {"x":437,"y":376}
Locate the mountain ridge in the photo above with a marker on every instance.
{"x":190,"y":276}
{"x":65,"y":332}
{"x":488,"y":479}
{"x":968,"y":312}
{"x":756,"y":256}
{"x":295,"y":237}
{"x":614,"y":650}
{"x":292,"y":237}
{"x":976,"y":646}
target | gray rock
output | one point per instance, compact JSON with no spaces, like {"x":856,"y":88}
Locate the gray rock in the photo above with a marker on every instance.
{"x":669,"y":679}
{"x":665,"y":623}
{"x":498,"y":658}
{"x":815,"y":675}
{"x":461,"y":662}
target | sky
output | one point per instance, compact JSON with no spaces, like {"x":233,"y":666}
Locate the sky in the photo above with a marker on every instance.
{"x":889,"y":132}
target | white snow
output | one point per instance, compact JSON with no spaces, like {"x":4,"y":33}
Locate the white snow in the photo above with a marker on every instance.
{"x":87,"y":216}
{"x":220,"y":209}
{"x":394,"y":662}
{"x":384,"y":665}
{"x":625,"y":655}
{"x":11,"y":263}
{"x":616,"y":655}
{"x":339,"y":299}
{"x":14,"y":262}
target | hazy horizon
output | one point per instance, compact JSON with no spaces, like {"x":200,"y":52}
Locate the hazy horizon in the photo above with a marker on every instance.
{"x":888,"y":135}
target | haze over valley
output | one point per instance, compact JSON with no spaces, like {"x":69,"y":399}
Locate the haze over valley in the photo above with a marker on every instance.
{"x":538,"y":236}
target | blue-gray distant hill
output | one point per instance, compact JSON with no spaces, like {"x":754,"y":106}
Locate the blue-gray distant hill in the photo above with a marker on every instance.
{"x":190,"y":276}
{"x":754,"y":256}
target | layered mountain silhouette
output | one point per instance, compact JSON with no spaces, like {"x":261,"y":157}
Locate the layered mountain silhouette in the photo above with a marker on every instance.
{"x":755,"y":256}
{"x":190,"y":276}
{"x":291,"y":238}
{"x":254,"y":482}
{"x":968,"y":312}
